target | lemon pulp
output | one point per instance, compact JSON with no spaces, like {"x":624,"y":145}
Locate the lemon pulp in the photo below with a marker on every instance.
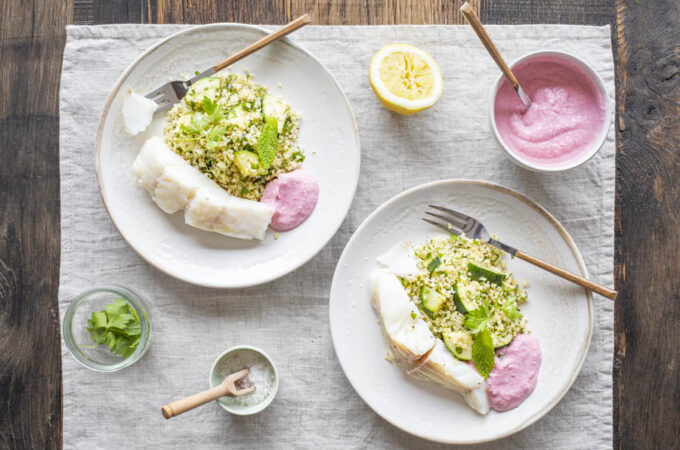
{"x":405,"y":78}
{"x":407,"y":75}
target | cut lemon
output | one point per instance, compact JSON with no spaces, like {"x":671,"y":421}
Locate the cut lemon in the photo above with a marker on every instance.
{"x":405,"y":78}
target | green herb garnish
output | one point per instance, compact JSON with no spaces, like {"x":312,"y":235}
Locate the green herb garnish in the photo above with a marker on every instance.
{"x":267,"y":143}
{"x":297,"y":156}
{"x":116,"y":326}
{"x":482,"y":346}
{"x":482,"y":353}
{"x":436,"y":262}
{"x":511,"y":310}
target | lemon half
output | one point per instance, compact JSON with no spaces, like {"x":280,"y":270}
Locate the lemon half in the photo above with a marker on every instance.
{"x":405,"y":78}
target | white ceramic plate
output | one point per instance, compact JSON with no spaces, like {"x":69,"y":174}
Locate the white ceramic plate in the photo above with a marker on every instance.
{"x":559,"y":314}
{"x":327,"y":127}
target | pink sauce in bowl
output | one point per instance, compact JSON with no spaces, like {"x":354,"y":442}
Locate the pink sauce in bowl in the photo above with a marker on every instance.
{"x":567,"y":121}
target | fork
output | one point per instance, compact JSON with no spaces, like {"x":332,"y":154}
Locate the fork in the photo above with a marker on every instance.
{"x":232,"y":386}
{"x":174,"y":91}
{"x":458,"y":223}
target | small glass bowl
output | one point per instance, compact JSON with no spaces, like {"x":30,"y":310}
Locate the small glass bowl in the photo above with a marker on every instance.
{"x":77,"y":338}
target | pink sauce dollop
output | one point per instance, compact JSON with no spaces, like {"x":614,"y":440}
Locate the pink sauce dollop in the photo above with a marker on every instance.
{"x":293,"y":196}
{"x":566,"y":115}
{"x":515,"y":373}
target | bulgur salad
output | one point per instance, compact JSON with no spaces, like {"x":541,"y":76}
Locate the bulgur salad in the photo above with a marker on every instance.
{"x":228,"y":158}
{"x":449,"y":312}
{"x":235,"y":132}
{"x":462,"y":286}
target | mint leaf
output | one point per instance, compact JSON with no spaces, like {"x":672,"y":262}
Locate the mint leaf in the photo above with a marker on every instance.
{"x":436,"y":262}
{"x":482,"y":353}
{"x":267,"y":143}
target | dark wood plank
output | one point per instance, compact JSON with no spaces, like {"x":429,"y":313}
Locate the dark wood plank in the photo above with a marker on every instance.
{"x":647,"y":398}
{"x":31,"y":46}
{"x":647,"y":360}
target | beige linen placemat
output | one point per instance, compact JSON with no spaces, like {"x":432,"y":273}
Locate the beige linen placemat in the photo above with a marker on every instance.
{"x":288,"y":318}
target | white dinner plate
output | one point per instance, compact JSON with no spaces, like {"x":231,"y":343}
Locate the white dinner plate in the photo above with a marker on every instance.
{"x":328,"y":135}
{"x":559,"y":313}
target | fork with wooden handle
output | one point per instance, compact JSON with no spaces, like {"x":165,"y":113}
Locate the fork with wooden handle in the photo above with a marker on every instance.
{"x":458,"y":223}
{"x":174,"y":91}
{"x":227,"y":387}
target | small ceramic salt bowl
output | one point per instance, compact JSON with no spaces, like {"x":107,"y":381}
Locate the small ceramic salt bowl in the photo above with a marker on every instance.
{"x":262,"y":373}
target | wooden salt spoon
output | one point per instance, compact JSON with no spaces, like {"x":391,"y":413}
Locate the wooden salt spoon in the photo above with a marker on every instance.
{"x":469,"y":13}
{"x":227,"y":387}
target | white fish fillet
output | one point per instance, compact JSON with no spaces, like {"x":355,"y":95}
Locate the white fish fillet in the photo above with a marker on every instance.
{"x":175,"y":185}
{"x":137,"y":112}
{"x":400,"y":259}
{"x":413,"y":346}
{"x":407,"y":335}
{"x":443,"y":368}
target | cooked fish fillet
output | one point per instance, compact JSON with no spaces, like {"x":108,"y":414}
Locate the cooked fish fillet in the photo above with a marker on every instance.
{"x":406,"y":333}
{"x":441,"y":367}
{"x":175,"y":185}
{"x":400,"y":259}
{"x":413,"y":346}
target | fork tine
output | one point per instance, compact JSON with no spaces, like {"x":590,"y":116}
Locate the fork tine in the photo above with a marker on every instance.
{"x":454,"y":213}
{"x":443,"y":227}
{"x":453,"y":221}
{"x":154,"y":94}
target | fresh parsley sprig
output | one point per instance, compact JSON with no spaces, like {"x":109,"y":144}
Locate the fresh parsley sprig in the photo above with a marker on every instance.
{"x":116,"y":326}
{"x":205,"y":124}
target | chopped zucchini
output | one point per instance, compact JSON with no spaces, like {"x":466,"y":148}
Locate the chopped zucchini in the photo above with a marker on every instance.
{"x":459,"y":343}
{"x":432,"y":300}
{"x":462,"y":299}
{"x":502,"y":341}
{"x":274,"y":106}
{"x":479,"y":272}
{"x":205,"y":87}
{"x":248,"y":163}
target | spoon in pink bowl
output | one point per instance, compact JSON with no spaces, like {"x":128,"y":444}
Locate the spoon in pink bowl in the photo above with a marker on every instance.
{"x":470,"y":15}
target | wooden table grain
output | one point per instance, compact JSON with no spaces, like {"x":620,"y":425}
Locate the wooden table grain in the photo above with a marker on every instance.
{"x":647,"y":266}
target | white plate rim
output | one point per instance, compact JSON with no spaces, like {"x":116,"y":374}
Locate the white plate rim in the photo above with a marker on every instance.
{"x":575,"y":253}
{"x":106,"y":110}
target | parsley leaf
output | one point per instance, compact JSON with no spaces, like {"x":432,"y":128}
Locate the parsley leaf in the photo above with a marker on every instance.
{"x":116,"y":326}
{"x":267,"y":143}
{"x":436,"y":262}
{"x":477,"y":319}
{"x":212,"y":109}
{"x":511,"y":310}
{"x":482,"y":353}
{"x":200,"y":121}
{"x":217,"y":132}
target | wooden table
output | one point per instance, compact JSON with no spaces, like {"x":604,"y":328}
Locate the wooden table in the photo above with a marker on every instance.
{"x":647,"y":267}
